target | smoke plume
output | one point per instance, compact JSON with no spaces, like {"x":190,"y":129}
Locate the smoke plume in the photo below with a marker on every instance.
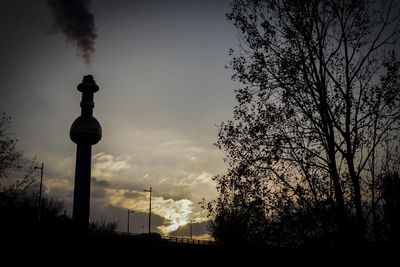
{"x":74,"y":19}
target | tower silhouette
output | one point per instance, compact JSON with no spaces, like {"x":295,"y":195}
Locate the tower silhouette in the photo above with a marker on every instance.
{"x":85,"y":132}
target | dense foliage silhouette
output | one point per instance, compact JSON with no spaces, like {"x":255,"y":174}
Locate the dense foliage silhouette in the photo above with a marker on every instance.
{"x":316,"y":127}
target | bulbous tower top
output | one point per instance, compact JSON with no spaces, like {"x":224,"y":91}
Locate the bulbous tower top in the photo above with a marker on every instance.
{"x":86,"y":129}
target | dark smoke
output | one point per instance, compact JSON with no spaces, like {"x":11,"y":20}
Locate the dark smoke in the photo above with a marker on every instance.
{"x":74,"y":19}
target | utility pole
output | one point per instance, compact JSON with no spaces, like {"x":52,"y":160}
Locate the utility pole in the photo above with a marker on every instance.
{"x":149,"y":209}
{"x":40,"y":191}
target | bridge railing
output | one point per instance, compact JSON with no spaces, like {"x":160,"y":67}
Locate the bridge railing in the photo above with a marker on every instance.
{"x":189,"y":241}
{"x":181,"y":240}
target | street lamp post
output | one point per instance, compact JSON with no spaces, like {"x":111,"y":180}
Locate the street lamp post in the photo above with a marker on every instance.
{"x":40,"y":191}
{"x":190,"y":229}
{"x":129,"y":212}
{"x":149,"y":208}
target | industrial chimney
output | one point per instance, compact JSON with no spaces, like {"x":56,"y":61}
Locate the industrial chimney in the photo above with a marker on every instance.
{"x":85,"y":132}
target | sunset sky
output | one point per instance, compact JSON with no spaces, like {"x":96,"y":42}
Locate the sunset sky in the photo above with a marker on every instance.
{"x":163,"y":92}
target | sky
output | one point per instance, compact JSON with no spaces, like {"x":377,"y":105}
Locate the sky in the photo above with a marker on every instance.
{"x":164,"y":90}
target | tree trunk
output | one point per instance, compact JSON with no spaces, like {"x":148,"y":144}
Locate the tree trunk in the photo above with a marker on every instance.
{"x":340,"y":207}
{"x":357,"y":199}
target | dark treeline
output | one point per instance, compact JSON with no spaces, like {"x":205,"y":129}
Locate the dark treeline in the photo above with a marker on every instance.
{"x":313,"y":147}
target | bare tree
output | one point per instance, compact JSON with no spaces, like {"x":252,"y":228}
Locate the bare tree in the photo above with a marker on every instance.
{"x":9,"y":155}
{"x":320,"y":95}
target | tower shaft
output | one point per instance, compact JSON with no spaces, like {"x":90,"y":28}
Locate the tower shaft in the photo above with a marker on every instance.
{"x":85,"y":132}
{"x":81,"y":206}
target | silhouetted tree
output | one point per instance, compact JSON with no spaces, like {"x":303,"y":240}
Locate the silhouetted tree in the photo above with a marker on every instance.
{"x":9,"y":155}
{"x":12,"y":160}
{"x":18,"y":200}
{"x":51,"y":208}
{"x":320,"y":95}
{"x":103,"y":227}
{"x":237,"y":222}
{"x":19,"y":210}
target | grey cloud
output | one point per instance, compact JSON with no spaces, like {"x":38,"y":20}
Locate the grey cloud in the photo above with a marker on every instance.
{"x":100,"y":183}
{"x":132,"y":194}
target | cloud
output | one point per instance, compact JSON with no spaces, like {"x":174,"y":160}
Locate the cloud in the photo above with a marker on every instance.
{"x":98,"y":189}
{"x":175,"y":212}
{"x":58,"y":187}
{"x":66,"y":167}
{"x":176,"y":170}
{"x":100,"y":183}
{"x":107,"y":166}
{"x":199,"y":231}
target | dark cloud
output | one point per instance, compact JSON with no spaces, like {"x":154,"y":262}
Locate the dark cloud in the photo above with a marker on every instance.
{"x":132,"y":195}
{"x":76,"y":22}
{"x":100,"y":183}
{"x":98,"y":189}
